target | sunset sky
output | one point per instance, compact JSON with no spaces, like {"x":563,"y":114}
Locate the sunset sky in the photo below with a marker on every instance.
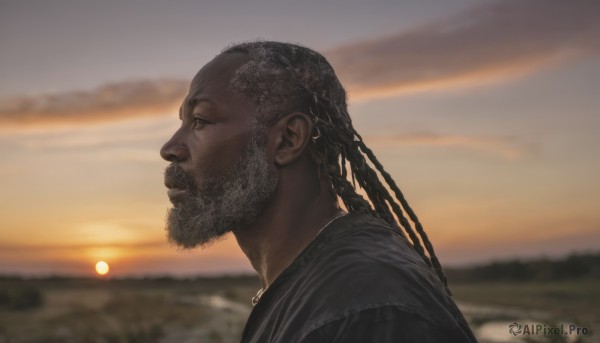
{"x":486,"y":113}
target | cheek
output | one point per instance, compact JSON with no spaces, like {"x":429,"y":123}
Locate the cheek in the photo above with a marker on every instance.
{"x":217,"y":155}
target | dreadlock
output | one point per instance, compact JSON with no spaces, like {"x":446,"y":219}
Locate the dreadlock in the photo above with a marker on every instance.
{"x":283,"y":78}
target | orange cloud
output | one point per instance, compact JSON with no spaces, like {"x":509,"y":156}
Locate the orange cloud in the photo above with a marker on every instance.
{"x":506,"y":146}
{"x":500,"y":40}
{"x":124,"y":100}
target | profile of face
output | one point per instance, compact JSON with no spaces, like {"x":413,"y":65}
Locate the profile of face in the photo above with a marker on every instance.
{"x":220,"y":178}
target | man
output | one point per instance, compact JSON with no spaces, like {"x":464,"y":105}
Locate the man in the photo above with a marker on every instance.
{"x":264,"y":151}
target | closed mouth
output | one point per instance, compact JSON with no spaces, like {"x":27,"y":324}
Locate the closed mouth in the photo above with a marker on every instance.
{"x":175,"y":194}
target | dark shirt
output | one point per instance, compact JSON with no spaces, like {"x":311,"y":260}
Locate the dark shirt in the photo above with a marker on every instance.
{"x":358,"y":281}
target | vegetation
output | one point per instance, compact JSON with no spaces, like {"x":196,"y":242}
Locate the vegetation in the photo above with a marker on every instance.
{"x":573,"y":267}
{"x":20,"y":298}
{"x":145,"y":310}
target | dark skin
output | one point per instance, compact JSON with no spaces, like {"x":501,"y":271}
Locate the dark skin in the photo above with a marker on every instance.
{"x":215,"y":129}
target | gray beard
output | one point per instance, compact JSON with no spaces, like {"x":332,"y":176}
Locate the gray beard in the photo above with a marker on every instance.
{"x":222,"y":204}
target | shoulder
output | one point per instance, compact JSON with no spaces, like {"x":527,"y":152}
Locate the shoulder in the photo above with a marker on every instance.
{"x":362,"y":264}
{"x":359,"y":270}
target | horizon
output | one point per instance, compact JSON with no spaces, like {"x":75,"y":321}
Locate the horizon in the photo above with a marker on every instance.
{"x":484,"y":113}
{"x":90,"y":275}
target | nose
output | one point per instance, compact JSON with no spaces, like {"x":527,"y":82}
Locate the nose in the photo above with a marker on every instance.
{"x":173,"y":150}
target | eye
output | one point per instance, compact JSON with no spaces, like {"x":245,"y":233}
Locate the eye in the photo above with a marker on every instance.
{"x":199,"y":123}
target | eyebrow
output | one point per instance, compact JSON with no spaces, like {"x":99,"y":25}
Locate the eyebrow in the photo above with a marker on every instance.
{"x":193,"y":101}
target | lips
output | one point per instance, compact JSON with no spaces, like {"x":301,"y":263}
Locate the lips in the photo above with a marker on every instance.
{"x":177,"y":190}
{"x":176,"y":194}
{"x":178,"y":182}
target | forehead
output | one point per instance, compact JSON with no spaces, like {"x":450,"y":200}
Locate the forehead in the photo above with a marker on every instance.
{"x":212,"y":82}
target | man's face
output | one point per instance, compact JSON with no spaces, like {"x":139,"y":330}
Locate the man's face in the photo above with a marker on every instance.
{"x":220,"y":178}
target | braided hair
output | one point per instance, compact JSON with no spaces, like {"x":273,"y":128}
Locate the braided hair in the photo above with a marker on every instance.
{"x":282,"y":78}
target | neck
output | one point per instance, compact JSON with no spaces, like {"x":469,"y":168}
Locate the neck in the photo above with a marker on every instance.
{"x":286,"y":226}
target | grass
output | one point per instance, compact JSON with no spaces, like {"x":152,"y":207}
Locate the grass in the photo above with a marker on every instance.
{"x":127,"y":311}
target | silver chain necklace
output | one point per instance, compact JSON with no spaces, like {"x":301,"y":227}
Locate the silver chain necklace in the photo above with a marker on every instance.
{"x":256,"y":298}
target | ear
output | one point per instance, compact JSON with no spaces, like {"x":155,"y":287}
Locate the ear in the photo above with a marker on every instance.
{"x":289,"y":137}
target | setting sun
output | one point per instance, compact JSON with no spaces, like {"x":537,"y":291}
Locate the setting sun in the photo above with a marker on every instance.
{"x":102,"y":268}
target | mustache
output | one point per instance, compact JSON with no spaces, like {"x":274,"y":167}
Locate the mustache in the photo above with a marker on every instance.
{"x":176,"y":177}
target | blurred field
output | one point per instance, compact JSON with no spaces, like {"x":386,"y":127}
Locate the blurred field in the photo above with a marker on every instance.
{"x":151,"y":310}
{"x":215,"y":309}
{"x":497,"y":305}
{"x":574,"y":301}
